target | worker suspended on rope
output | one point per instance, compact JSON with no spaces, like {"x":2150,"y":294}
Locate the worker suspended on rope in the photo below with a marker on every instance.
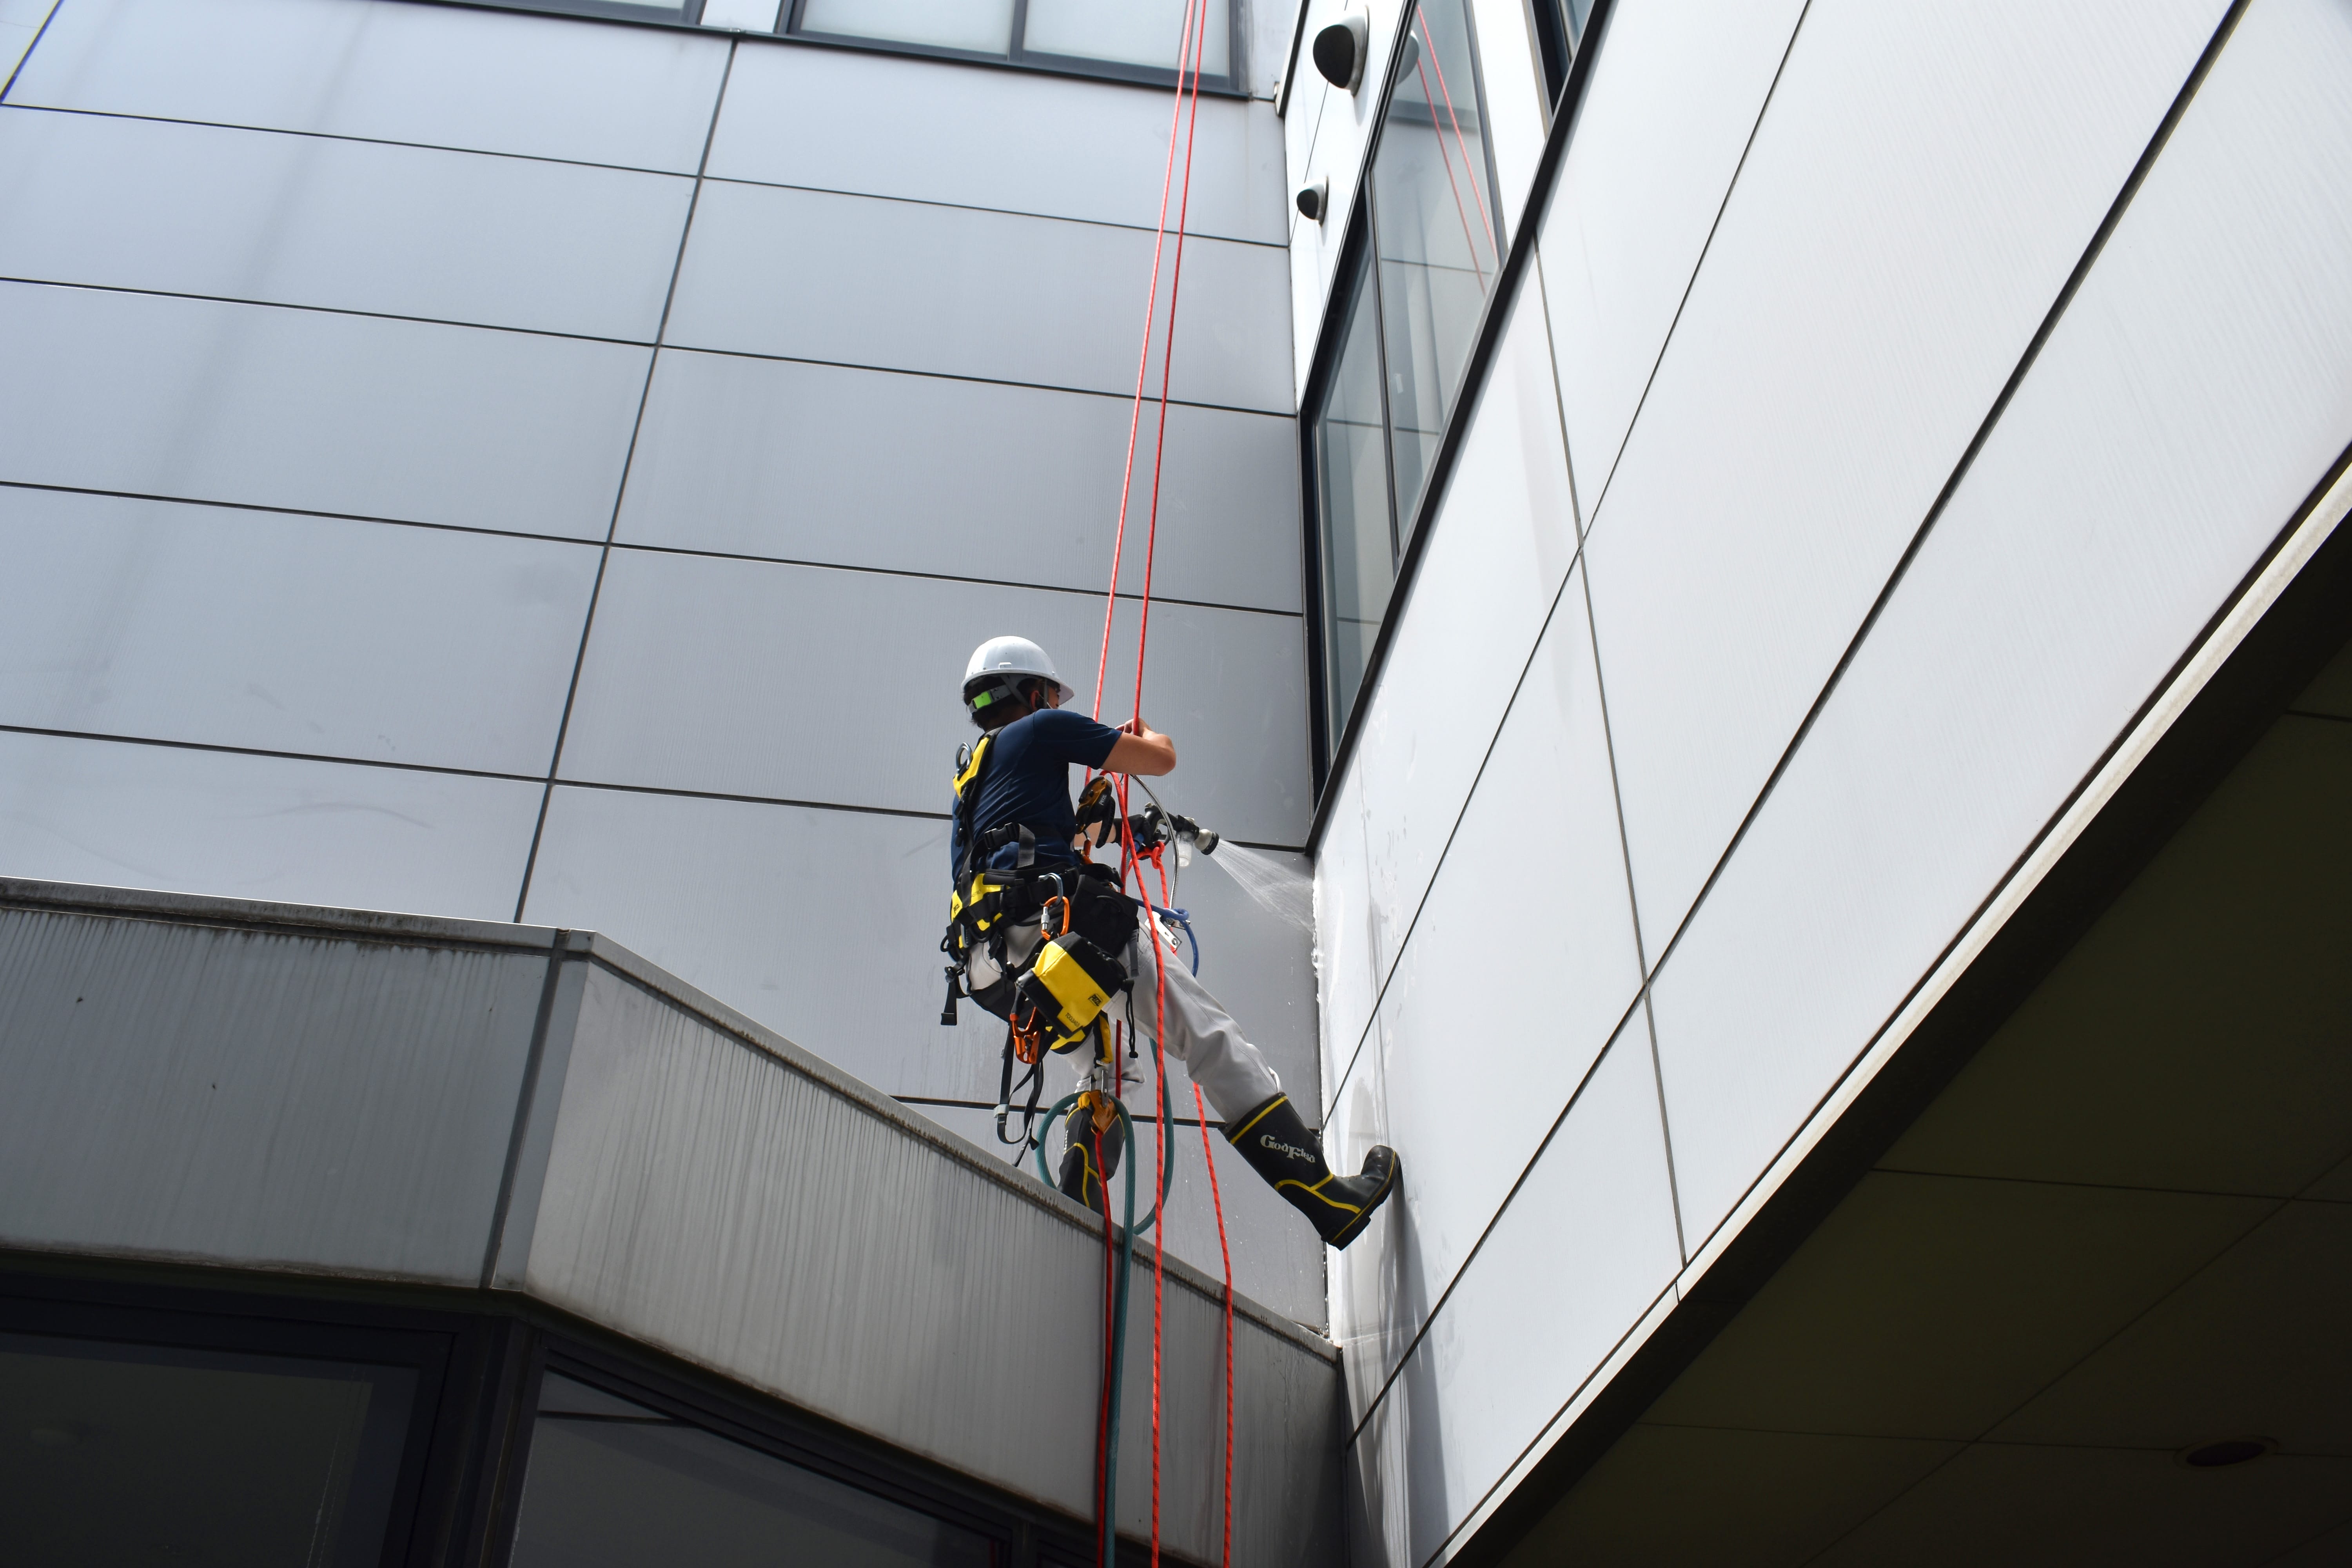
{"x":1048,"y":939}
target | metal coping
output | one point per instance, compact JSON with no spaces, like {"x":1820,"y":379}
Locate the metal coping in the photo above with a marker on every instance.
{"x":538,"y":941}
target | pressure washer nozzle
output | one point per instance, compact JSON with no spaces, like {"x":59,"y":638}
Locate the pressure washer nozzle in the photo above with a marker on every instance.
{"x":1204,"y":839}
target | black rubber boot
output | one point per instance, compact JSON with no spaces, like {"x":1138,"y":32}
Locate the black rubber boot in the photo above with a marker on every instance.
{"x":1080,"y":1180}
{"x":1289,"y":1156}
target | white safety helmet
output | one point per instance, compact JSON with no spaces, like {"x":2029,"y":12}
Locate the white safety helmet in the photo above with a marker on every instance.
{"x":1000,"y":664}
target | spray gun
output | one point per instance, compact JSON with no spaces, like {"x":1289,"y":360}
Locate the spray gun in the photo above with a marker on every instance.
{"x":1154,"y":825}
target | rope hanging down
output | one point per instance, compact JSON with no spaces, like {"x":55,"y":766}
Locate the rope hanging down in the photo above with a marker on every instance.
{"x":1117,"y":1255}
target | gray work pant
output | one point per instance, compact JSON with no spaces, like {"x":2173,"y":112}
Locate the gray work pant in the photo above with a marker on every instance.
{"x":1201,"y":1034}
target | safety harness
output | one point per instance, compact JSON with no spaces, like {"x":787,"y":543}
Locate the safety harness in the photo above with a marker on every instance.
{"x":1052,"y":993}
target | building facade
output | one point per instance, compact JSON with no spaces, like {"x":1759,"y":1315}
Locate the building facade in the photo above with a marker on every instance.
{"x":1775,"y":563}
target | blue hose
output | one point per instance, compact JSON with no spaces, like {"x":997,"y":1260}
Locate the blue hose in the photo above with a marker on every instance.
{"x":1184,"y":918}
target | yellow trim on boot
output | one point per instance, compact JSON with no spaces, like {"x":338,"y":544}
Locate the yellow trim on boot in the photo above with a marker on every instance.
{"x":1234,"y":1135}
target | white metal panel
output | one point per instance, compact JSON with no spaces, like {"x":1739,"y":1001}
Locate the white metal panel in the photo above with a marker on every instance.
{"x":314,"y":411}
{"x":1584,"y":1248}
{"x":873,"y":1273}
{"x":1476,"y":1067}
{"x":1348,"y":967}
{"x":1667,"y":108}
{"x":954,"y":291}
{"x":746,"y":902}
{"x":874,"y":125}
{"x":443,"y":75}
{"x":20,"y":23}
{"x":929,"y":474}
{"x":1504,"y":537}
{"x":310,"y":635}
{"x":1515,"y":120}
{"x":308,"y":220}
{"x":2194,"y":391}
{"x":1377,"y":1299}
{"x":700,"y":675}
{"x":273,"y":1101}
{"x":1916,"y":198}
{"x":263,"y":827}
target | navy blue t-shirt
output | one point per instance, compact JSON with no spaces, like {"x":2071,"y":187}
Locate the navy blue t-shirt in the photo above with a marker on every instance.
{"x":1027,"y":780}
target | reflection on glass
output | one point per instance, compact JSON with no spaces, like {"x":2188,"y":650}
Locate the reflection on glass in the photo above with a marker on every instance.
{"x":1437,"y":226}
{"x":1133,"y":32}
{"x":612,"y":1484}
{"x":1351,"y":486}
{"x":122,"y":1454}
{"x":984,"y":26}
{"x":1575,"y":13}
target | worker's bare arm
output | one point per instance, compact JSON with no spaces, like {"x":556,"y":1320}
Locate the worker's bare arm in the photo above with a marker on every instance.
{"x":1142,"y":750}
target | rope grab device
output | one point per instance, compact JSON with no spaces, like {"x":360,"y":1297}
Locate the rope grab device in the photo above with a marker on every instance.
{"x":1040,"y":945}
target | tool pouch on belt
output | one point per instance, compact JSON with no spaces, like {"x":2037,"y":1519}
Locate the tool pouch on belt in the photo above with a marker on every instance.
{"x":1061,"y":995}
{"x":1100,"y":911}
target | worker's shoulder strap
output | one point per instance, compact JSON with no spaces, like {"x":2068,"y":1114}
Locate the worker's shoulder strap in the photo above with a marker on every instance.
{"x":971,"y":768}
{"x":971,"y":764}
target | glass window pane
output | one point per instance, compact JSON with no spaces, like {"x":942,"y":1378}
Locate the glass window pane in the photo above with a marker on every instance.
{"x":1134,"y":32}
{"x":612,"y":1484}
{"x":1352,"y":488}
{"x":142,"y":1454}
{"x":633,"y":10}
{"x":1434,"y":211}
{"x":984,"y":26}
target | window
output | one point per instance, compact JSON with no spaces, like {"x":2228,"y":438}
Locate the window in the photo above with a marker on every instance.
{"x":1428,"y":246}
{"x":1128,"y":40}
{"x":139,"y":1453}
{"x":611,"y":1483}
{"x":686,"y":12}
{"x":1132,"y":38}
{"x":1560,"y":29}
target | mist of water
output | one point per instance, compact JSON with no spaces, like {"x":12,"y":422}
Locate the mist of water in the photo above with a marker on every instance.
{"x":1282,"y":890}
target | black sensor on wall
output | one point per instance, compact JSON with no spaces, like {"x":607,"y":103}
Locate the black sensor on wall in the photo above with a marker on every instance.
{"x":1340,"y":50}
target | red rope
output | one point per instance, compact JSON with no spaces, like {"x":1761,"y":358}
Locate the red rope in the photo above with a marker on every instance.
{"x":1143,"y":356}
{"x":1191,"y":49}
{"x":1225,"y":1252}
{"x":1167,"y":354}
